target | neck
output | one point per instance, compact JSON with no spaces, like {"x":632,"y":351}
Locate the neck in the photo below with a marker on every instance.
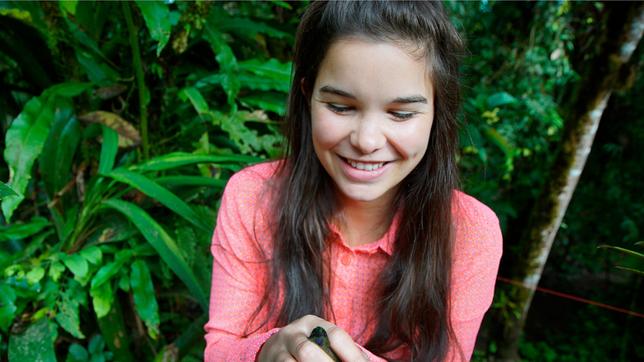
{"x":364,"y":222}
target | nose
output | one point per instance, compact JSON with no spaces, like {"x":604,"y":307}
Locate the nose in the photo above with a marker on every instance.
{"x":368,"y":135}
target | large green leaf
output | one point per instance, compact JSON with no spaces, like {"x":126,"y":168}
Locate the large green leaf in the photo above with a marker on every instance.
{"x":58,"y":152}
{"x":145,"y":301}
{"x":18,"y":231}
{"x":108,"y":149}
{"x":178,"y":159}
{"x":26,"y":137}
{"x":35,"y":344}
{"x":158,"y":19}
{"x":157,"y":192}
{"x":163,"y":244}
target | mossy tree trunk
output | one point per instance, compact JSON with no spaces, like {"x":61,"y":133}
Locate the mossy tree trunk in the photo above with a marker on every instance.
{"x":603,"y":73}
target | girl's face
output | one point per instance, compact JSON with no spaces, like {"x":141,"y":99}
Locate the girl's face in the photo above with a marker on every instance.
{"x":372,"y":110}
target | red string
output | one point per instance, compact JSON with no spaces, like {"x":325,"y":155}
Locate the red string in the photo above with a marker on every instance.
{"x":573,"y":297}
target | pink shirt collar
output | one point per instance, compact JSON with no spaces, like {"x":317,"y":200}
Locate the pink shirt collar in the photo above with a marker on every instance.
{"x":385,"y":243}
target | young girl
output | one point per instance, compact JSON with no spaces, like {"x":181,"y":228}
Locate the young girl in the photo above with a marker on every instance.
{"x":360,"y":229}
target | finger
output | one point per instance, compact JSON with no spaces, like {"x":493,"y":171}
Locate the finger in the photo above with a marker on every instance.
{"x":284,"y":357}
{"x":306,"y":351}
{"x":344,"y":346}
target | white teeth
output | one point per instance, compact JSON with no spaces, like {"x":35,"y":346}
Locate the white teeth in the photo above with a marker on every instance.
{"x":365,"y":166}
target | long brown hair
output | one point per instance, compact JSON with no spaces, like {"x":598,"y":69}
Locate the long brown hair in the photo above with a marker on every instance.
{"x":414,"y":286}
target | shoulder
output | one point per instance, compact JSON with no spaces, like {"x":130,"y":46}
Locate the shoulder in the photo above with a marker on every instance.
{"x":243,"y":221}
{"x":478,"y":246}
{"x":475,"y":223}
{"x":251,"y":178}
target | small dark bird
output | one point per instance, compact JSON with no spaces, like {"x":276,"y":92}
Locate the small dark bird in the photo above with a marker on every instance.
{"x":319,"y":337}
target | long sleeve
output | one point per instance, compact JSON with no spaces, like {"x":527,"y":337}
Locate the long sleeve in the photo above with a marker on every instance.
{"x":238,"y":275}
{"x":477,"y":254}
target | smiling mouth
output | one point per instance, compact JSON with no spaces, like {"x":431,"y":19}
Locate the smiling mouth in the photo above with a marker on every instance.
{"x":364,"y":166}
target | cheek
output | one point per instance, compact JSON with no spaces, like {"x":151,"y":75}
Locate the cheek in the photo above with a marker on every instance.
{"x":413,"y":140}
{"x":326,"y":128}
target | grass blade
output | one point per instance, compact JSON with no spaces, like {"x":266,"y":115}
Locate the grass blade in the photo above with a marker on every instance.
{"x":157,"y":192}
{"x":178,"y":159}
{"x":108,"y":150}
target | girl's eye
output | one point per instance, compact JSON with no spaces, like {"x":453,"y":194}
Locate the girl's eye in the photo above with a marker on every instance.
{"x":402,"y":115}
{"x":338,"y":108}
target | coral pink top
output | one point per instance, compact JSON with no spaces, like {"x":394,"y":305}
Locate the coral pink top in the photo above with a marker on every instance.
{"x":241,"y":246}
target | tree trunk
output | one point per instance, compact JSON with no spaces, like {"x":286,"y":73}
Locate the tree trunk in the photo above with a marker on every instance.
{"x":595,"y":88}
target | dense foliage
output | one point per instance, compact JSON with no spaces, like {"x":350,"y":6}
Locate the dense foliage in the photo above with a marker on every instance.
{"x":121,"y":123}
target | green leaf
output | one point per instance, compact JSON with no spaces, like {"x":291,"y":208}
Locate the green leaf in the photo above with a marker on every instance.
{"x":498,"y":139}
{"x":178,"y":159}
{"x":6,"y":191}
{"x":273,"y":74}
{"x":191,"y":181}
{"x":55,"y":270}
{"x":157,"y":192}
{"x":58,"y":151}
{"x":109,"y":270}
{"x":246,"y":27}
{"x":108,"y":149}
{"x":267,"y":101}
{"x":144,"y":297}
{"x":35,"y":344}
{"x":77,"y":353}
{"x":77,"y":265}
{"x":163,"y":244}
{"x":35,"y":275}
{"x":102,"y":299}
{"x":500,"y":99}
{"x":195,"y":97}
{"x":24,"y":141}
{"x":67,"y":316}
{"x":92,"y":254}
{"x":19,"y":231}
{"x":623,"y":250}
{"x":158,"y":20}
{"x":26,"y":137}
{"x":7,"y":307}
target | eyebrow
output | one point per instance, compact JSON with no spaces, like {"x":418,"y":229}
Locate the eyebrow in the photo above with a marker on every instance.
{"x":410,"y":99}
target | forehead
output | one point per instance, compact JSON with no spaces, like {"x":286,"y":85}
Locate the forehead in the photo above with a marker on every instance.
{"x":374,"y":68}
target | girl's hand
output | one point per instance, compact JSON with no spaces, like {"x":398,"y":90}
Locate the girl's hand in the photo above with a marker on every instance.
{"x":291,"y":343}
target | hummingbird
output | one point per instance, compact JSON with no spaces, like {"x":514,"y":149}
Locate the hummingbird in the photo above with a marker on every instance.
{"x":319,"y":337}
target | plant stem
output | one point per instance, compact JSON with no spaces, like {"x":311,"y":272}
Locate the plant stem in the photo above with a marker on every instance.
{"x":140,"y":80}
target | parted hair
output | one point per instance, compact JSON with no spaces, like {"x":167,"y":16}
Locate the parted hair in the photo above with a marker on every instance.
{"x":413,"y":299}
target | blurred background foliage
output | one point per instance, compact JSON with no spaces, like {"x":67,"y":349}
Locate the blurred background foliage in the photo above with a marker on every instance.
{"x":122,"y":121}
